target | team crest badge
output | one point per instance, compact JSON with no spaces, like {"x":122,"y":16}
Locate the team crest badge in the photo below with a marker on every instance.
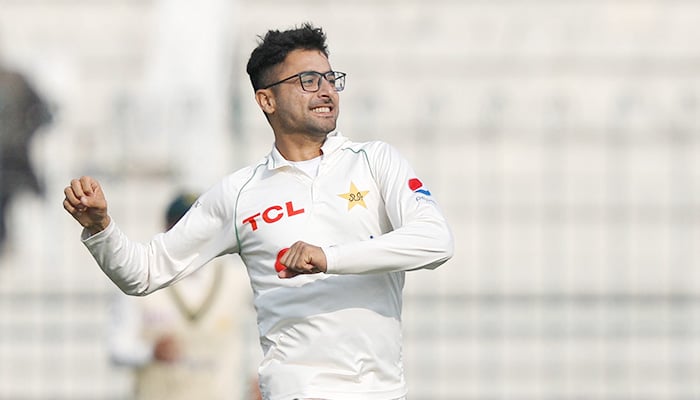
{"x":355,"y":196}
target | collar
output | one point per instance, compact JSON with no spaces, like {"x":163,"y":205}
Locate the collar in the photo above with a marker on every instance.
{"x":334,"y":140}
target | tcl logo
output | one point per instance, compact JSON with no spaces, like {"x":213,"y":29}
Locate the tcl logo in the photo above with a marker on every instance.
{"x":273,"y":214}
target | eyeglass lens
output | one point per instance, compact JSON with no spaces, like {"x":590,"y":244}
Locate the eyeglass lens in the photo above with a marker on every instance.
{"x":311,"y":81}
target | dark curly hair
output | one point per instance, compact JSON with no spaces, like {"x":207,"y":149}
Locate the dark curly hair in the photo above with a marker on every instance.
{"x":274,"y":47}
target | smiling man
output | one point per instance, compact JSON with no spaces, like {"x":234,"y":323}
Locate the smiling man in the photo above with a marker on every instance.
{"x":326,"y":227}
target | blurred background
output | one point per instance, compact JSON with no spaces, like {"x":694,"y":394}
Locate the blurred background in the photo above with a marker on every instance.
{"x":560,"y":137}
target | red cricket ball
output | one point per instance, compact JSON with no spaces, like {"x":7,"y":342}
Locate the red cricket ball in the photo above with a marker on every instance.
{"x":278,"y":265}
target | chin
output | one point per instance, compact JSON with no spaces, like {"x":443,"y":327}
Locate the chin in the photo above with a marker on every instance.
{"x":324,"y":130}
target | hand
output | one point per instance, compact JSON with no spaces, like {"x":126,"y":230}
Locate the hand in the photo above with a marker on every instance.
{"x":302,"y":258}
{"x":86,"y":202}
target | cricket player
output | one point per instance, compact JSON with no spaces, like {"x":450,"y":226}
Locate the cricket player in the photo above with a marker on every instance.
{"x":326,"y":227}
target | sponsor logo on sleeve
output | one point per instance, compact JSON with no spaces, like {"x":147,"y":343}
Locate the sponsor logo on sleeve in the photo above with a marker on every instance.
{"x":423,"y":194}
{"x":417,"y":186}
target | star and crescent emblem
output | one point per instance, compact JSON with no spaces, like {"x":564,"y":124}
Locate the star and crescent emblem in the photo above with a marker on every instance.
{"x":355,"y":196}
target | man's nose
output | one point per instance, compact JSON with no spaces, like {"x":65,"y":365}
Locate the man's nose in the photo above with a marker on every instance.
{"x":326,"y":87}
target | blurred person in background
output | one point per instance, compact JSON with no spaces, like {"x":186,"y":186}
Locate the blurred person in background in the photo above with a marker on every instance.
{"x":326,"y":227}
{"x":187,"y":341}
{"x":22,"y":113}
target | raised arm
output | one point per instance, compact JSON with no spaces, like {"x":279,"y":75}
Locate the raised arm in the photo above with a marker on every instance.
{"x":204,"y":233}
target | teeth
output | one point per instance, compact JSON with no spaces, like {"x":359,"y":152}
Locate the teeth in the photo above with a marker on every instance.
{"x":321,"y":109}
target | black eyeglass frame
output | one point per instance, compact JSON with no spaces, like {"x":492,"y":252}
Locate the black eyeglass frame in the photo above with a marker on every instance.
{"x":321,"y":75}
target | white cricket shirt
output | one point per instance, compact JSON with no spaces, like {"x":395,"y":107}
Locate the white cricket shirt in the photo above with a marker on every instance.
{"x":335,"y":335}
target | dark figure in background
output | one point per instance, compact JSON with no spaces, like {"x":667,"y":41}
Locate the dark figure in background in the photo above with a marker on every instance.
{"x":22,"y":113}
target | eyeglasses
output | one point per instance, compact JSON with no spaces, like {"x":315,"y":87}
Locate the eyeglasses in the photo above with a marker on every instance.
{"x":311,"y":80}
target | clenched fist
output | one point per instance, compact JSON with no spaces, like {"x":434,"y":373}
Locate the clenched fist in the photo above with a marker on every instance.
{"x":86,"y":202}
{"x":302,"y":258}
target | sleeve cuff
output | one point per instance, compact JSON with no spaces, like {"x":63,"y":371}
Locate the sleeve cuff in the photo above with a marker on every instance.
{"x":87,"y":239}
{"x":331,"y":253}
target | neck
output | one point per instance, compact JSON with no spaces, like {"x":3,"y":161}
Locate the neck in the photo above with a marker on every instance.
{"x":299,"y":147}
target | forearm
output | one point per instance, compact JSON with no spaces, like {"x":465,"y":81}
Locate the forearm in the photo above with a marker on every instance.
{"x":124,"y":262}
{"x":422,"y":244}
{"x":140,"y":269}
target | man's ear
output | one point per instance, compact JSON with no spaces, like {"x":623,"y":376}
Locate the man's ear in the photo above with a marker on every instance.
{"x":266,"y":100}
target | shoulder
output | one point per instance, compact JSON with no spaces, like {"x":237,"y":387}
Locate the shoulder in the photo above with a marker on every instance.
{"x":221,"y":193}
{"x":368,"y":146}
{"x":374,"y":149}
{"x":336,"y":141}
{"x":237,"y":180}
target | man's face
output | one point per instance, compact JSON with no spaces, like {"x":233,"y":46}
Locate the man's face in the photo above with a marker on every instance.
{"x":297,"y":111}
